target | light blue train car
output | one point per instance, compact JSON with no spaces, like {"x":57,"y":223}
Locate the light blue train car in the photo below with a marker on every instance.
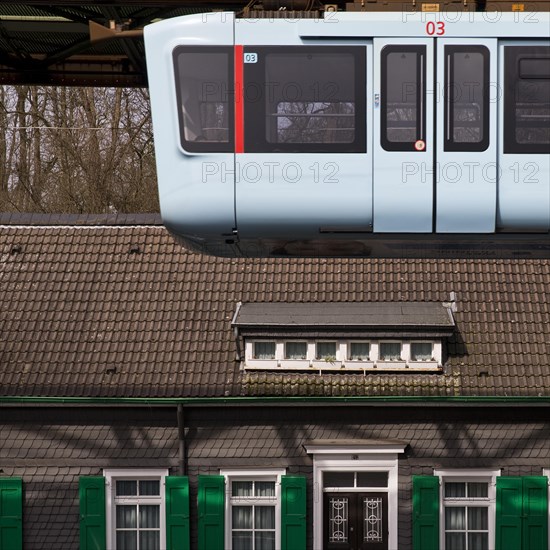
{"x":356,"y":134}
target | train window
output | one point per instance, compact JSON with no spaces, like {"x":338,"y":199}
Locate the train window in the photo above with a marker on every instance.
{"x":466,"y":98}
{"x":305,"y":99}
{"x":205,"y":98}
{"x":527,"y":99}
{"x":403,"y":120}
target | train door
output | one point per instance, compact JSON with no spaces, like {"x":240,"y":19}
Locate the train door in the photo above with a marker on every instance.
{"x":435,"y":156}
{"x":303,"y":151}
{"x":466,"y":123}
{"x":403,"y":144}
{"x":524,"y":121}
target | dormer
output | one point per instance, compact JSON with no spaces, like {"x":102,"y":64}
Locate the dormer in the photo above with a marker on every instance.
{"x":343,"y":337}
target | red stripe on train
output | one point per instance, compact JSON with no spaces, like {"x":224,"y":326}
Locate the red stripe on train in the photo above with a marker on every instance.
{"x":239,"y":100}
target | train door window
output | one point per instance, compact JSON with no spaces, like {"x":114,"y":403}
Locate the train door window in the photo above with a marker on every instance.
{"x":204,"y":96}
{"x":527,"y":99}
{"x":305,"y":99}
{"x":403,"y":121}
{"x":466,"y":98}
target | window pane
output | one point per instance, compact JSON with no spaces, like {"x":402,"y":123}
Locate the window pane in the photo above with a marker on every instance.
{"x":372,"y":479}
{"x":390,"y":351}
{"x":403,"y":97}
{"x":149,"y":516}
{"x":126,"y":517}
{"x":264,"y":517}
{"x":421,"y":351}
{"x":455,"y":541}
{"x":126,"y":488}
{"x":466,"y":98}
{"x":126,"y":540}
{"x":326,"y":350}
{"x":477,"y":519}
{"x":149,"y":540}
{"x":242,"y":517}
{"x":265,"y":541}
{"x":149,"y":487}
{"x":295,"y":350}
{"x":264,"y":488}
{"x":242,"y":541}
{"x":455,"y":519}
{"x":455,"y":490}
{"x":205,"y":102}
{"x":310,"y":97}
{"x":478,"y":490}
{"x":264,"y":350}
{"x":359,"y":351}
{"x":478,"y":541}
{"x":527,"y":99}
{"x":338,"y":479}
{"x":241,"y":488}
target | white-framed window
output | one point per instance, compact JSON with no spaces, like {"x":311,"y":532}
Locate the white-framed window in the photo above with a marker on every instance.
{"x":343,"y":354}
{"x":325,"y":350}
{"x":253,"y":509}
{"x":422,"y":351}
{"x":359,"y":351}
{"x":390,"y":351}
{"x":295,"y":350}
{"x":467,"y":509}
{"x":264,"y":349}
{"x":136,"y":509}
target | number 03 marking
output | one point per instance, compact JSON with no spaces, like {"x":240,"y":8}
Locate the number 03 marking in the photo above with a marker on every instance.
{"x":437,"y":29}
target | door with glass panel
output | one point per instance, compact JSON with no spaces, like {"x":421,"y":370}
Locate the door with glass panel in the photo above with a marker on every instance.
{"x":356,"y":521}
{"x":435,"y":120}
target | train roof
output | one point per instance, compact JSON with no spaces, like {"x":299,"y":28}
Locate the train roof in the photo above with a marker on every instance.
{"x":115,"y":308}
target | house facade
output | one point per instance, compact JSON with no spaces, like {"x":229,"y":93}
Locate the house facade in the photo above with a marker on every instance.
{"x":155,"y":399}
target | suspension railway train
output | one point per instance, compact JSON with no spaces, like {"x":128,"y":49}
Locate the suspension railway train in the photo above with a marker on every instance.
{"x":404,"y":134}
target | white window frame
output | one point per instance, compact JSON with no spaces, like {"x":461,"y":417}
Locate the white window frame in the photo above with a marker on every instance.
{"x":335,"y":458}
{"x":342,"y":359}
{"x":466,"y":475}
{"x":111,"y":476}
{"x":256,"y":474}
{"x":266,"y":341}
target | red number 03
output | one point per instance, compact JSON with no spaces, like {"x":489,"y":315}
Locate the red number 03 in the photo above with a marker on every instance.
{"x":435,"y":28}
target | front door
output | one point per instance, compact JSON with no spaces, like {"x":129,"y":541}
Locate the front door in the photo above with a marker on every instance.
{"x":356,"y":521}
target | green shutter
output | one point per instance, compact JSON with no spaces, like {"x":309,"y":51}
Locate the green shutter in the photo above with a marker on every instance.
{"x":293,"y":512}
{"x":177,"y":513}
{"x":425,"y":512}
{"x":92,"y":513}
{"x":535,"y":513}
{"x":508,"y":513}
{"x":211,"y":508}
{"x":11,"y":513}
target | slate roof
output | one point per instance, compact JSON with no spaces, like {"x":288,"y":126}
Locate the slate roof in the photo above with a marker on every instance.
{"x":122,"y":310}
{"x":344,"y":315}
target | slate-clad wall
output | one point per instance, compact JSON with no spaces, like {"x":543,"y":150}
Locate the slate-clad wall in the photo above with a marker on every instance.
{"x":51,"y":448}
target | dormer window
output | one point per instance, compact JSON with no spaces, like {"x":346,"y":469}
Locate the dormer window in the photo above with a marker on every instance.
{"x":295,"y":350}
{"x":390,"y":351}
{"x":343,"y":337}
{"x":264,"y":350}
{"x":359,"y":351}
{"x":421,"y":351}
{"x":326,"y":351}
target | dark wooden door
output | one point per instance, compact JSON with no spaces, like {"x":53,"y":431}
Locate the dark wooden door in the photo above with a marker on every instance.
{"x":355,"y":521}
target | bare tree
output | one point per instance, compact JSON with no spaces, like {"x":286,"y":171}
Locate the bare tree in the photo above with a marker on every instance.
{"x":76,"y":150}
